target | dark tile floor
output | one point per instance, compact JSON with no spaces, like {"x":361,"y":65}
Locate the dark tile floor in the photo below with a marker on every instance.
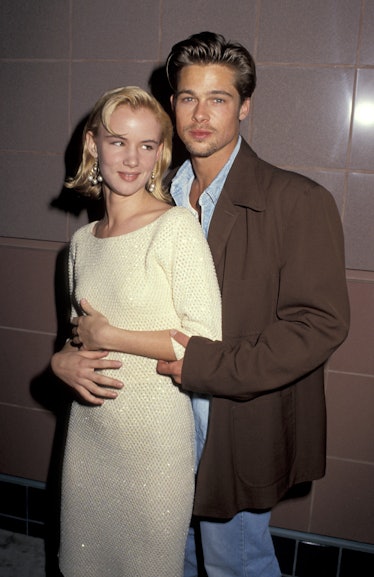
{"x":21,"y":556}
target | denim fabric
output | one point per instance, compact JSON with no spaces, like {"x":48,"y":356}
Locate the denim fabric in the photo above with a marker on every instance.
{"x":241,"y":547}
{"x":182,"y":182}
{"x":180,"y":191}
{"x":200,"y":408}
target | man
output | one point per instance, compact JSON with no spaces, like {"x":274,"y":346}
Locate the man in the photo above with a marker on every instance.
{"x":277,"y":244}
{"x":278,"y":249}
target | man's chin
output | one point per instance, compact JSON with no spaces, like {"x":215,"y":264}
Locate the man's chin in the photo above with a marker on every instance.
{"x":200,"y":151}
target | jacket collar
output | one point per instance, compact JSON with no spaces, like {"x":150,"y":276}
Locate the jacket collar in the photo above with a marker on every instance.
{"x":241,"y":185}
{"x":240,"y":189}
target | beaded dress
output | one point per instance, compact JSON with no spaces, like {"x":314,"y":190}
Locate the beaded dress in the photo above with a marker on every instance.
{"x":128,"y":474}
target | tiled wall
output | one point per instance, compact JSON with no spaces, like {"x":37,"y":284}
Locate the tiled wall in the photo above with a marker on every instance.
{"x":315,"y":82}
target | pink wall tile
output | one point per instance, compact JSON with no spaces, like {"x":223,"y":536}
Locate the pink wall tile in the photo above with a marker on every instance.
{"x":350,"y":416}
{"x":27,"y":287}
{"x":356,"y":354}
{"x":25,"y":442}
{"x":343,"y":501}
{"x":24,"y":358}
{"x":293,"y":513}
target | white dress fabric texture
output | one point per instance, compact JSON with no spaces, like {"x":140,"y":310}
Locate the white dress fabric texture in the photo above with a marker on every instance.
{"x":128,"y":475}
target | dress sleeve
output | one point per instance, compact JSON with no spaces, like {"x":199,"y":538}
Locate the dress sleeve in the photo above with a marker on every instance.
{"x":71,"y":276}
{"x":195,"y":287}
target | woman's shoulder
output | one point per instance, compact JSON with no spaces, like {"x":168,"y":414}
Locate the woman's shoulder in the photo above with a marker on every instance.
{"x":179,"y":226}
{"x":83,"y":232}
{"x":179,"y":216}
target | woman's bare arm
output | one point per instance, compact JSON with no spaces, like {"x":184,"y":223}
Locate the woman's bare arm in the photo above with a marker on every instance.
{"x":93,"y":332}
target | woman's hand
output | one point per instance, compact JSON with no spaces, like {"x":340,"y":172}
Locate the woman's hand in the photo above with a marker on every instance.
{"x":91,"y":329}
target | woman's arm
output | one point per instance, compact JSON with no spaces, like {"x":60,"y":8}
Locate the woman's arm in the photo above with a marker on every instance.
{"x":93,"y":332}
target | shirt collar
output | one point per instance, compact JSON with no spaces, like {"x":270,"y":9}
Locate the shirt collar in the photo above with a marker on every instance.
{"x":182,"y":182}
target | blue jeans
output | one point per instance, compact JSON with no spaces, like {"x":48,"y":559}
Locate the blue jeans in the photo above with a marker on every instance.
{"x":241,"y":547}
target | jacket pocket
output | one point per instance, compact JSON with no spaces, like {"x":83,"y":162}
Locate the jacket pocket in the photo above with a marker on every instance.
{"x":263,"y":438}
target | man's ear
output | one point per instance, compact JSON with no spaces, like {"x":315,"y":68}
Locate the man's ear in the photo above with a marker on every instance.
{"x":244,"y":109}
{"x":91,"y":144}
{"x":172,"y":102}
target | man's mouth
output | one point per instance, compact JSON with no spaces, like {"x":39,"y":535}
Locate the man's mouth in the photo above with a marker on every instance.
{"x":199,"y":134}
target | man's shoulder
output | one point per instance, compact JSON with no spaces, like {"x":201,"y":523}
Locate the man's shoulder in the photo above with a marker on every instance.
{"x":255,"y":182}
{"x":271,"y":171}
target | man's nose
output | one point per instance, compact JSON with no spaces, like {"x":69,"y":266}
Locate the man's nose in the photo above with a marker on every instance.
{"x":200,"y":112}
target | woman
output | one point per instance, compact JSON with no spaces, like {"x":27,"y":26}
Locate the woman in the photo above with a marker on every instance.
{"x":128,"y":474}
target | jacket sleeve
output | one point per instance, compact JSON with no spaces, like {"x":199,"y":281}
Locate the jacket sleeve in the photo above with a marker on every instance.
{"x":311,"y":315}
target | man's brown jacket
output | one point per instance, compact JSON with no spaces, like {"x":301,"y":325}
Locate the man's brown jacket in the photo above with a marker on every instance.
{"x":278,"y":247}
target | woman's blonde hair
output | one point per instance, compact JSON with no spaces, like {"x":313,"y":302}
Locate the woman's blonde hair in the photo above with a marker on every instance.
{"x":136,"y":98}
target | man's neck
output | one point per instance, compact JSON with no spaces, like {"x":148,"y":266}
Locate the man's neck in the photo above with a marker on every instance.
{"x":205,"y":170}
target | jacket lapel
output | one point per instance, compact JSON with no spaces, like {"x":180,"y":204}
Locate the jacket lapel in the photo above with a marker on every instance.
{"x":223,"y":220}
{"x":234,"y":196}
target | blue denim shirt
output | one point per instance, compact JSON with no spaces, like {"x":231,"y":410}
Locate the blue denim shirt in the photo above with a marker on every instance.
{"x":180,"y":191}
{"x":181,"y":186}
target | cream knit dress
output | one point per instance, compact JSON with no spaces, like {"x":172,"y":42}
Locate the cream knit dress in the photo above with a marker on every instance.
{"x":128,"y":475}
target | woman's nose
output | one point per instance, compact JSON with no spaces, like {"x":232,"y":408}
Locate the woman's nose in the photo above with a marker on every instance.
{"x":130,"y":157}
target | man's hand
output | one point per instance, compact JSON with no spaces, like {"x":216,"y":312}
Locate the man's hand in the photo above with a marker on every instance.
{"x":78,"y":369}
{"x":174,"y":368}
{"x":90,"y":329}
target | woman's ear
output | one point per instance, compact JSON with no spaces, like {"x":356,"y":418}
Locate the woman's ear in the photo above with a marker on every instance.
{"x":159,"y":151}
{"x":91,"y":144}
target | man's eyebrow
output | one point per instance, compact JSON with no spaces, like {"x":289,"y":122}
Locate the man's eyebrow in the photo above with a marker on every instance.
{"x":209,"y":93}
{"x":184,"y":91}
{"x":221,"y":92}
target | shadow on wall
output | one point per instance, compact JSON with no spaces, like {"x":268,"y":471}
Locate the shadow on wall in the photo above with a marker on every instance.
{"x":159,"y":87}
{"x":53,"y":395}
{"x":71,"y":201}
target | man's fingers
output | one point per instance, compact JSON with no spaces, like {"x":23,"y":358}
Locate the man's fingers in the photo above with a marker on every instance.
{"x":95,"y":392}
{"x":88,"y":397}
{"x":104,"y":381}
{"x":163,"y":368}
{"x":173,"y":369}
{"x":86,"y":307}
{"x":181,"y":338}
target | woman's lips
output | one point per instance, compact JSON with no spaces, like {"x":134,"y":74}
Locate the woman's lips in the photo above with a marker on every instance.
{"x":128,"y":176}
